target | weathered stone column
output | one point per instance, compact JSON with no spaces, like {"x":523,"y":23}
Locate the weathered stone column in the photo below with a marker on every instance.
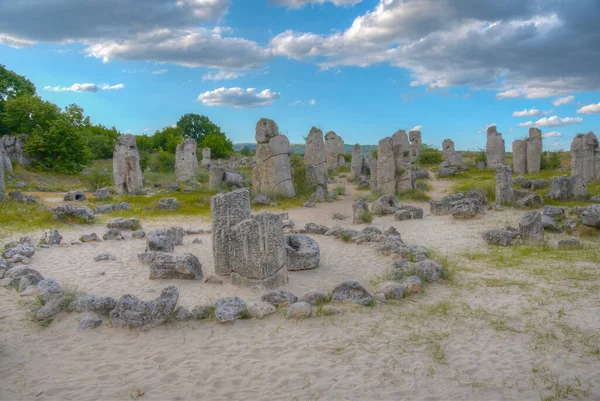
{"x":585,"y":157}
{"x":258,"y":253}
{"x":519,"y":149}
{"x":334,"y":146}
{"x":402,"y":158}
{"x":227,"y":210}
{"x":205,"y":156}
{"x":372,"y":161}
{"x":452,"y":158}
{"x":216,"y":176}
{"x":532,"y":229}
{"x":126,"y":165}
{"x":314,"y":158}
{"x":534,"y":151}
{"x":386,"y":167}
{"x":186,"y":161}
{"x":272,"y":174}
{"x":2,"y":186}
{"x":356,"y":168}
{"x":495,"y":148}
{"x":505,"y":194}
{"x":415,"y":144}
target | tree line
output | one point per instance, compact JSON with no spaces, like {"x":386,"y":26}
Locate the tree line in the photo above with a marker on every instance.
{"x":66,"y":141}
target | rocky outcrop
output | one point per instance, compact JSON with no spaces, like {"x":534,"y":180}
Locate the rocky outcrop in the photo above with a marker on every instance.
{"x":334,"y":146}
{"x":272,"y":173}
{"x":352,"y":292}
{"x":132,"y":312}
{"x":387,"y":204}
{"x":531,"y":228}
{"x":168,"y":266}
{"x":519,"y":149}
{"x":565,"y":188}
{"x":227,"y":210}
{"x":495,"y":148}
{"x":186,"y":160}
{"x":82,"y":213}
{"x":303,"y":252}
{"x":205,"y":156}
{"x":505,"y":193}
{"x":14,"y":148}
{"x":314,"y":158}
{"x":415,"y":144}
{"x":2,"y":184}
{"x":126,"y":165}
{"x":124,"y":224}
{"x":585,"y":157}
{"x":358,"y":211}
{"x":229,"y":309}
{"x":527,"y":153}
{"x":394,"y":169}
{"x":452,"y":158}
{"x":357,"y":167}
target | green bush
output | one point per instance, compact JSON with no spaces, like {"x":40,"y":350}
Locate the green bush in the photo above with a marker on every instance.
{"x":550,"y":161}
{"x":246,"y":151}
{"x":162,"y":162}
{"x":366,"y":217}
{"x":429,"y":155}
{"x":97,"y":178}
{"x":301,"y":184}
{"x":220,"y":146}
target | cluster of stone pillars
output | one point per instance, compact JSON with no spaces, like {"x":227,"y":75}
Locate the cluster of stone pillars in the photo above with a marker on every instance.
{"x":527,"y":153}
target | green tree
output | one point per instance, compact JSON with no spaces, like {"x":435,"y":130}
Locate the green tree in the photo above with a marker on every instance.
{"x":75,"y":114}
{"x":197,"y":126}
{"x":167,"y":139}
{"x":220,"y":146}
{"x":12,"y":85}
{"x":25,"y":113}
{"x":61,"y":147}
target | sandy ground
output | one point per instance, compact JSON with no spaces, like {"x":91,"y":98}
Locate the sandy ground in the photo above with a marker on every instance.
{"x":459,"y":340}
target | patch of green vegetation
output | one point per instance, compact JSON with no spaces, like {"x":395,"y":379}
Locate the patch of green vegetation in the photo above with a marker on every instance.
{"x":417,"y":194}
{"x":20,"y":217}
{"x":340,"y":190}
{"x":366,"y":217}
{"x":484,"y":180}
{"x":346,"y":237}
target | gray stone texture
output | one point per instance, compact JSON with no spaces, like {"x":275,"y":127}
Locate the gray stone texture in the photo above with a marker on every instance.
{"x":495,"y":148}
{"x":205,"y":156}
{"x":534,"y":151}
{"x":14,"y":147}
{"x":126,"y":165}
{"x":134,"y":313}
{"x":334,"y":146}
{"x":505,"y":194}
{"x":566,"y":188}
{"x":415,"y":144}
{"x":585,"y":157}
{"x":358,"y":209}
{"x":303,"y":252}
{"x":531,"y":228}
{"x":519,"y":149}
{"x":452,"y":158}
{"x":169,"y":266}
{"x":314,"y":158}
{"x":357,"y":167}
{"x":186,"y":160}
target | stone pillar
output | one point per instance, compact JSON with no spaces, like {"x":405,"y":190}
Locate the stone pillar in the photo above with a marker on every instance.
{"x":519,"y":149}
{"x":334,"y":146}
{"x":415,"y":144}
{"x":585,"y":156}
{"x":505,"y":193}
{"x":227,"y":210}
{"x":205,"y":156}
{"x":402,"y":158}
{"x":272,"y":174}
{"x":534,"y":151}
{"x":186,"y":161}
{"x":532,"y":229}
{"x":356,"y":167}
{"x":5,"y":161}
{"x":126,"y":165}
{"x":314,"y":158}
{"x":452,"y":158}
{"x":386,"y":167}
{"x":258,"y":253}
{"x":372,"y":161}
{"x":14,"y":148}
{"x":495,"y":148}
{"x":358,"y":209}
{"x":216,"y":175}
{"x":2,"y":186}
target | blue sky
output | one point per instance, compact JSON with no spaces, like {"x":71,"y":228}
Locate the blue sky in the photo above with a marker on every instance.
{"x":361,"y":68}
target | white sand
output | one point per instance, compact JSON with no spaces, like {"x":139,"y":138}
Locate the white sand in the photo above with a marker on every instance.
{"x":450,"y":342}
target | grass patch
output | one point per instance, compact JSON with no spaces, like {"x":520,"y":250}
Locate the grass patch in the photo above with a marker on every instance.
{"x":417,"y":194}
{"x":20,"y":217}
{"x":366,"y":217}
{"x":340,"y":190}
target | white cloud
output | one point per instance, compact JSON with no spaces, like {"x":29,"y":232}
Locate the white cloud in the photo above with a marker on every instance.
{"x":527,"y":113}
{"x":416,"y":128}
{"x":238,"y":97}
{"x":295,"y":103}
{"x":556,"y":121}
{"x":590,"y":109}
{"x":484,"y":130}
{"x":302,"y":3}
{"x":221,"y":75}
{"x":526,"y":124}
{"x":312,"y":102}
{"x":14,"y":42}
{"x":563,"y":100}
{"x":552,"y":134}
{"x":159,"y":72}
{"x":86,"y":87}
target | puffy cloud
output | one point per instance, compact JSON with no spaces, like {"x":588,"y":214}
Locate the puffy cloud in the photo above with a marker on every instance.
{"x":467,"y":42}
{"x":563,"y":100}
{"x":552,"y":134}
{"x":194,"y":48}
{"x":15,"y":42}
{"x":527,"y":124}
{"x":556,"y":121}
{"x":416,"y":128}
{"x":238,"y":97}
{"x":221,"y":75}
{"x":590,"y":109}
{"x":302,"y":3}
{"x":80,"y":20}
{"x":91,"y":88}
{"x":527,"y":113}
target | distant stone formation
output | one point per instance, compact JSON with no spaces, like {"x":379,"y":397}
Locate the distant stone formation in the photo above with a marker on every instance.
{"x":372,"y":164}
{"x":585,"y":157}
{"x":505,"y":193}
{"x":452,"y":158}
{"x":415,"y":144}
{"x":126,"y":165}
{"x":228,"y":209}
{"x":2,"y":186}
{"x":314,"y":158}
{"x":5,"y":161}
{"x":394,"y":170}
{"x":527,"y":153}
{"x":272,"y":173}
{"x":13,"y":146}
{"x":495,"y":148}
{"x":357,"y":167}
{"x":334,"y":146}
{"x":186,"y":161}
{"x":205,"y":156}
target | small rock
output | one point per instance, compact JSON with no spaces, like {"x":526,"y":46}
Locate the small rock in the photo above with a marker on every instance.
{"x":197,"y":241}
{"x":393,"y":290}
{"x":229,"y":309}
{"x":279,"y":298}
{"x":413,"y":285}
{"x":570,"y":244}
{"x":93,"y":237}
{"x":329,"y":310}
{"x":139,"y":234}
{"x":314,"y":298}
{"x":113,"y":235}
{"x":88,"y":322}
{"x":104,"y":256}
{"x":298,"y":310}
{"x":260,"y":310}
{"x":352,"y":291}
{"x":182,"y":314}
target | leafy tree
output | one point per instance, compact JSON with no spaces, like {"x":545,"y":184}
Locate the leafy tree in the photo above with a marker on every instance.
{"x":220,"y":146}
{"x":167,"y":139}
{"x":162,"y":162}
{"x":197,"y":126}
{"x":25,"y":113}
{"x":12,"y":85}
{"x":246,"y":151}
{"x":429,"y":155}
{"x":75,"y":114}
{"x":61,"y":147}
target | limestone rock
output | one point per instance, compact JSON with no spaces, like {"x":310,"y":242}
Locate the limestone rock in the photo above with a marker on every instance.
{"x":75,"y":196}
{"x":77,"y":212}
{"x":358,"y":210}
{"x":415,"y":144}
{"x":51,"y":237}
{"x":135,"y":313}
{"x":314,"y":298}
{"x":570,"y":244}
{"x":51,"y":308}
{"x":103,"y":209}
{"x":229,"y":309}
{"x":299,"y":310}
{"x":534,"y":151}
{"x":126,"y":165}
{"x":498,"y":237}
{"x":260,"y":310}
{"x":408,"y":212}
{"x":23,"y":276}
{"x":393,"y":290}
{"x":279,"y":298}
{"x":302,"y":252}
{"x":168,"y":204}
{"x":353,"y":292}
{"x":205,"y":156}
{"x":565,"y":188}
{"x":93,"y":303}
{"x":452,"y":159}
{"x":13,"y":147}
{"x":585,"y":157}
{"x":113,"y":235}
{"x":186,"y":160}
{"x":48,"y":289}
{"x":495,"y":148}
{"x":334,"y":146}
{"x":505,"y":194}
{"x":387,"y":204}
{"x":104,"y":256}
{"x":167,"y":266}
{"x":519,"y":149}
{"x":124,"y":224}
{"x":330,"y":310}
{"x":227,"y":210}
{"x":529,"y":199}
{"x":531,"y":228}
{"x":590,"y":216}
{"x":314,"y":158}
{"x":88,"y":322}
{"x":357,"y":167}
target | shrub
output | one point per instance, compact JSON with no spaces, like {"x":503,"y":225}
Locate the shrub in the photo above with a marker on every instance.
{"x":246,"y":151}
{"x":162,"y":162}
{"x":220,"y":146}
{"x":430,"y":155}
{"x":346,"y":237}
{"x":340,"y":190}
{"x":301,"y":185}
{"x":550,"y":161}
{"x":97,"y":178}
{"x":366,"y":217}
